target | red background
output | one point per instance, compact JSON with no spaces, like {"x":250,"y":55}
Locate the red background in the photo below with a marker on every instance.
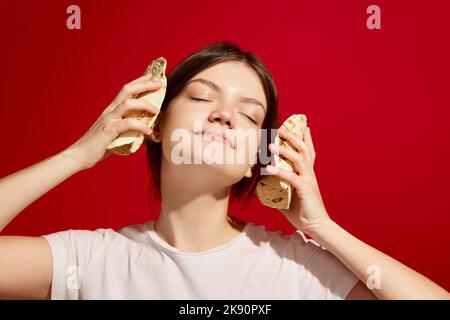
{"x":377,"y":103}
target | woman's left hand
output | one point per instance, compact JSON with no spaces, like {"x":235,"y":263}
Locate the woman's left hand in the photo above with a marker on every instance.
{"x":307,"y":210}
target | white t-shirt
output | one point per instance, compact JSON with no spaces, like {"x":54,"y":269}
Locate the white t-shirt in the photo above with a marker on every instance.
{"x":135,"y":263}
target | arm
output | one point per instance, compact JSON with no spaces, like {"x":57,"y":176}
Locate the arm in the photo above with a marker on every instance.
{"x":396,"y":281}
{"x":26,"y":262}
{"x":20,"y":189}
{"x":25,"y":268}
{"x":386,"y":277}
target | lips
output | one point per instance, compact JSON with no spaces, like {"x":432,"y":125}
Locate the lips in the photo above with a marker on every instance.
{"x":217,"y":134}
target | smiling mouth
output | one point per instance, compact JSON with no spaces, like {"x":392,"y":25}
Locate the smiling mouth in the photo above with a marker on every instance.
{"x":215,"y":136}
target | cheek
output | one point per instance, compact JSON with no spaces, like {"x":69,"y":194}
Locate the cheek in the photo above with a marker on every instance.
{"x":183,"y":115}
{"x":173,"y":120}
{"x":177,"y":123}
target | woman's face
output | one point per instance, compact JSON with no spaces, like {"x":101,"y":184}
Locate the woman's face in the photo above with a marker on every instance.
{"x":228,"y":99}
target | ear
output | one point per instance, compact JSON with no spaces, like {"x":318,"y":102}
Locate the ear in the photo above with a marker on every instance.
{"x":156,"y":134}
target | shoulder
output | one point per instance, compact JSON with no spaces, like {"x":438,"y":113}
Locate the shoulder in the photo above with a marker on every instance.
{"x":95,"y":238}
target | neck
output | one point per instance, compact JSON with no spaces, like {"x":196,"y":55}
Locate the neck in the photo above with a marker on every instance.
{"x":194,"y":212}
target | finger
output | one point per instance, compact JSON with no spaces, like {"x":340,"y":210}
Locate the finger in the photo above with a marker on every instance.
{"x":147,"y":76}
{"x":134,"y":88}
{"x":134,"y":104}
{"x":309,"y":141}
{"x":288,"y":176}
{"x":297,"y":143}
{"x":306,"y":150}
{"x":299,"y":161}
{"x":120,"y":126}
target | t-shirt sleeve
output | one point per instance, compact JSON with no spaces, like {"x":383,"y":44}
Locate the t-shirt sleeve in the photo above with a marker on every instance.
{"x":322,"y":276}
{"x":72,"y":251}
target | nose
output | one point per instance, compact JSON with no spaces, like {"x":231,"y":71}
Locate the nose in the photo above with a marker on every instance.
{"x":223,"y":115}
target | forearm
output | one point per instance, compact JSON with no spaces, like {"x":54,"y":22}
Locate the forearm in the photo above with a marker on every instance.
{"x":397,"y":281}
{"x":22,"y":188}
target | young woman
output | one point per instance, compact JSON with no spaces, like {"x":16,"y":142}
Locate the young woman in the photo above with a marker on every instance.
{"x":195,"y":250}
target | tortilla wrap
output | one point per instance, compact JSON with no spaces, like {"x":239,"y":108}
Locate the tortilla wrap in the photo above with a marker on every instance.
{"x":272,"y":191}
{"x":130,"y":141}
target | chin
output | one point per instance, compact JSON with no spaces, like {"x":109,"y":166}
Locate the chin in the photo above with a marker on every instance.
{"x":228,"y":173}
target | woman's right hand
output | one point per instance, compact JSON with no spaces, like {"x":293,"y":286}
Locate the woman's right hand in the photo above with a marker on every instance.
{"x":91,"y":148}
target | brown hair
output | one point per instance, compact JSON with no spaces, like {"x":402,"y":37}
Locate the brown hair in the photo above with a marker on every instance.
{"x":186,"y":70}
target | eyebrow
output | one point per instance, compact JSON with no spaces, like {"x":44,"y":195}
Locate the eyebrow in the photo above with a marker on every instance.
{"x":217,"y":88}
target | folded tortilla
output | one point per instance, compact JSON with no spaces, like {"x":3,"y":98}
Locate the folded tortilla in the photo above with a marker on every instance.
{"x":271,"y":190}
{"x":130,"y":141}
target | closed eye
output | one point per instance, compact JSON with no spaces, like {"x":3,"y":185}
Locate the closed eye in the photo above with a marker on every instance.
{"x":198,"y":99}
{"x":204,"y":100}
{"x":251,"y":119}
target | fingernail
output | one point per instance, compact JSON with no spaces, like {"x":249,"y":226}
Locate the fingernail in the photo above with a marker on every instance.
{"x":156,"y":82}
